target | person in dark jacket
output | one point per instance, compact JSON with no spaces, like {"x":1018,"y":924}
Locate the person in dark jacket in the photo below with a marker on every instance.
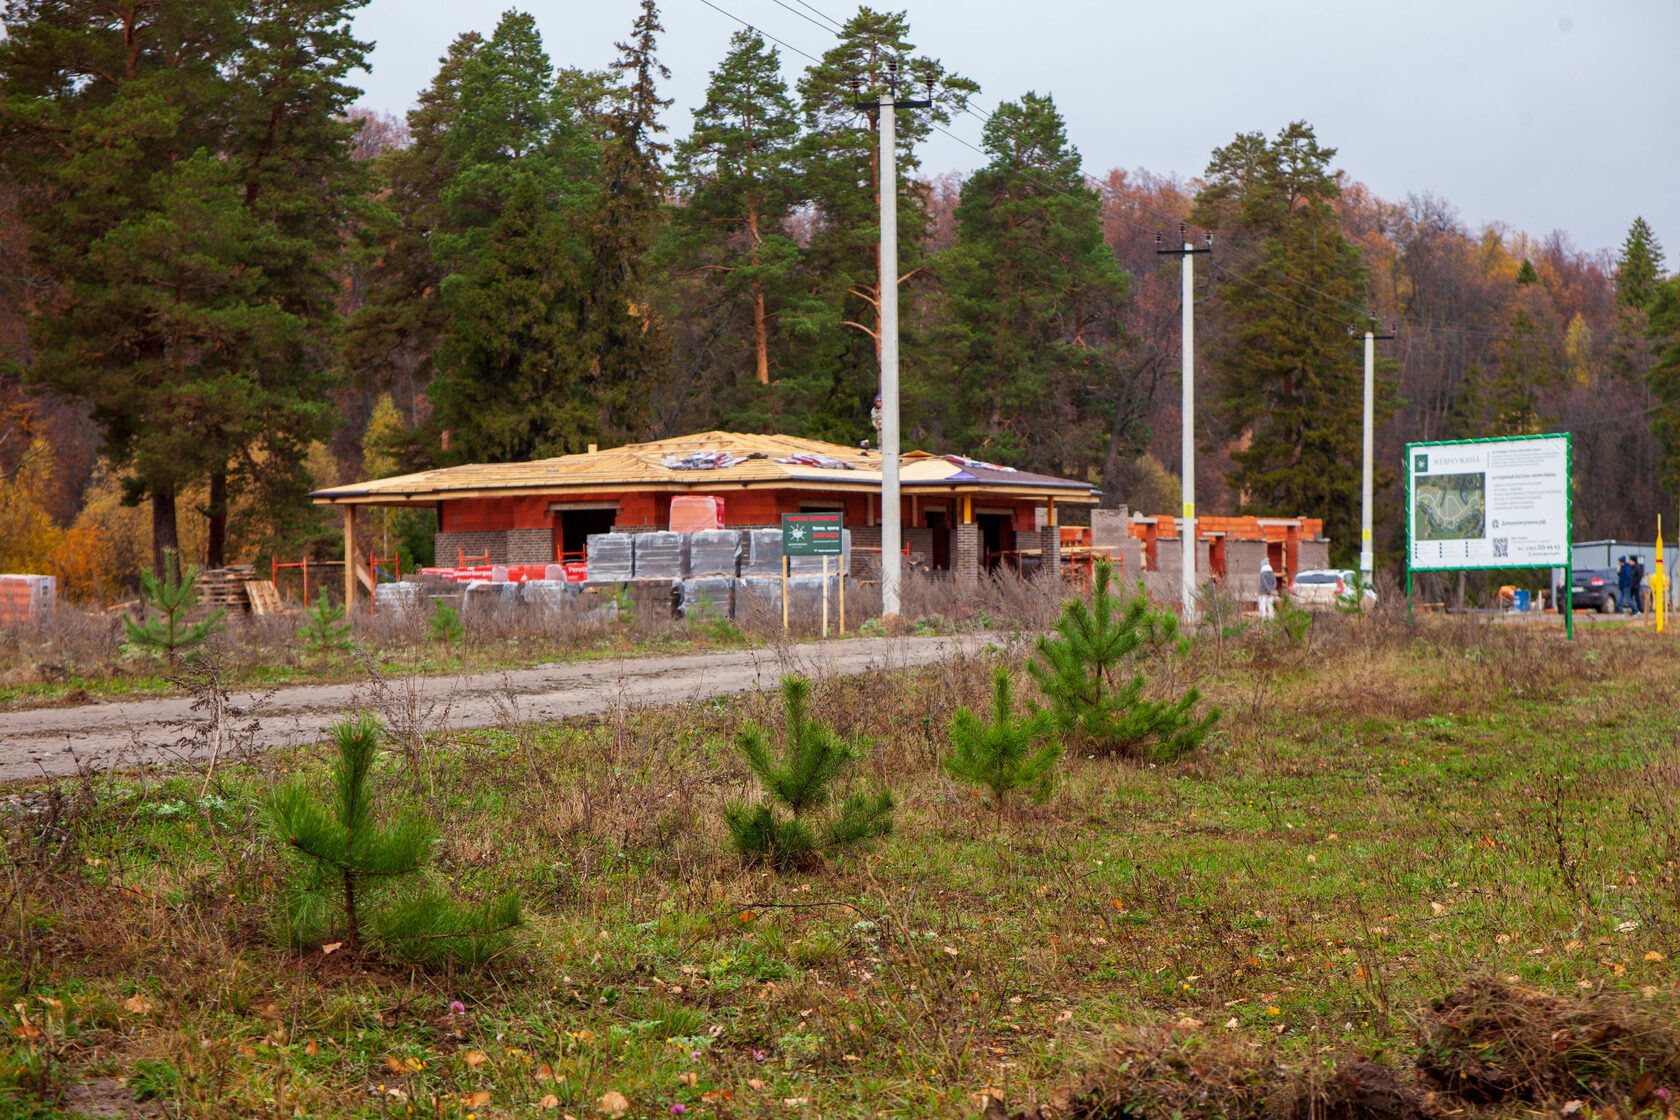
{"x":1624,"y":585}
{"x":1638,"y":585}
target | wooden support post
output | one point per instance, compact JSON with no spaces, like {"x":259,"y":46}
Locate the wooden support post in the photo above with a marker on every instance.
{"x":968,"y":509}
{"x":349,"y":559}
{"x":784,"y":592}
{"x":825,"y":594}
{"x":842,"y":602}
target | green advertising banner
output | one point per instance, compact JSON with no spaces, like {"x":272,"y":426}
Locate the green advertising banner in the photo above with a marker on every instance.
{"x":811,"y":534}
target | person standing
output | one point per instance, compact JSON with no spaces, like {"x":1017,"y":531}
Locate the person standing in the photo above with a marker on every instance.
{"x":1624,"y":585}
{"x":1268,"y":589}
{"x":1638,"y":584}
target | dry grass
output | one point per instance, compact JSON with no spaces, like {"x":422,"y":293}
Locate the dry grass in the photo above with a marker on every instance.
{"x":1389,"y":812}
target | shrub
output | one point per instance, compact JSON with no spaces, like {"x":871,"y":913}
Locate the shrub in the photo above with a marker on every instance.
{"x":169,"y":632}
{"x":360,"y":875}
{"x":446,"y":626}
{"x":322,"y":632}
{"x":782,"y":830}
{"x":999,"y":755}
{"x":1085,"y":668}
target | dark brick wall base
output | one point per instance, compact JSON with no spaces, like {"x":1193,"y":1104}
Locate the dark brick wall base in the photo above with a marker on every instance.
{"x":530,"y":546}
{"x":451,"y":546}
{"x":965,"y":551}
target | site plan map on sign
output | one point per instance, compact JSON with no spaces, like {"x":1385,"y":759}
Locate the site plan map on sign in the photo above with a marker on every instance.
{"x":1451,"y":507}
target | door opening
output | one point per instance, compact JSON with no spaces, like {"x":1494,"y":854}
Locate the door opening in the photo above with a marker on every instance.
{"x":572,"y":528}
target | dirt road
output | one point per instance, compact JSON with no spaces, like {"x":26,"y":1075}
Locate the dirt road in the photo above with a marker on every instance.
{"x":131,"y":732}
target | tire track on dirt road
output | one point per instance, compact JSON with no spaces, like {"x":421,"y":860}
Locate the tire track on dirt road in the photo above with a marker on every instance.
{"x":132,"y":732}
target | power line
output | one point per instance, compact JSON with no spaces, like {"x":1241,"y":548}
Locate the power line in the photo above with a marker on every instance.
{"x":1360,"y":315}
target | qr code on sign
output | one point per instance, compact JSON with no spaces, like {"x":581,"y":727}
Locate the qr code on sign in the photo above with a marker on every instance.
{"x":1501,"y":547}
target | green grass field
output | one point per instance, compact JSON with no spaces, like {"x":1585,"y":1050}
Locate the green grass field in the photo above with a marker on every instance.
{"x":1383,"y":817}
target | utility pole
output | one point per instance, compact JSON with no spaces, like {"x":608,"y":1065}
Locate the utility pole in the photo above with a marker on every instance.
{"x":1367,"y":561}
{"x":891,"y":513}
{"x":1187,"y":453}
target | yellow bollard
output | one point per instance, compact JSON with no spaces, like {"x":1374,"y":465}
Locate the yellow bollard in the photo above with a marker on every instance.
{"x":1659,"y":581}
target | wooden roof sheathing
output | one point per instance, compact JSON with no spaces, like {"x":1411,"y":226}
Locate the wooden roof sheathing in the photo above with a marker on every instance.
{"x":756,"y":462}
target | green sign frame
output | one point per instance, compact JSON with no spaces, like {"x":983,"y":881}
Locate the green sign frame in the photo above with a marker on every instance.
{"x":813,"y":534}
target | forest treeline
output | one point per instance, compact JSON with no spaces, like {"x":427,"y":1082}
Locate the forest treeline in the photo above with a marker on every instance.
{"x":223,"y":283}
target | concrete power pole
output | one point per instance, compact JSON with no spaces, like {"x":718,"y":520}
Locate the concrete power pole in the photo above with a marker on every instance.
{"x":1367,"y":559}
{"x":1187,"y":453}
{"x":891,"y":512}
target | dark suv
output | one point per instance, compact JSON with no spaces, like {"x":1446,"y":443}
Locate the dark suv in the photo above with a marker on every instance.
{"x":1595,"y":589}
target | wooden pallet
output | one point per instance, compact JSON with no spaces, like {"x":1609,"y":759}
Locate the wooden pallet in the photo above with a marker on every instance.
{"x":225,"y":587}
{"x":264,"y":598}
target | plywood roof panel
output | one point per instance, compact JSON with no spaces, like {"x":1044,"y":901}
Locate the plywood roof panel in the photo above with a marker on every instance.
{"x":742,"y":459}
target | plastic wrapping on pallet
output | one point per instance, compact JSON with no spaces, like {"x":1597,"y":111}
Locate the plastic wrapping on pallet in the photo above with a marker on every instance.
{"x":396,"y":596}
{"x":609,"y":556}
{"x":763,"y":553}
{"x":714,"y":553}
{"x":704,"y":597}
{"x":694,"y":513}
{"x":547,"y":592}
{"x":804,"y":594}
{"x":661,"y":555}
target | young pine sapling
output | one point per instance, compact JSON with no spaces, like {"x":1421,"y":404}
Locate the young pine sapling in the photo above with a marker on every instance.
{"x":322,"y":631}
{"x":1001,"y":755}
{"x":786,"y":829}
{"x":360,"y":876}
{"x":168,"y":632}
{"x":1086,"y":669}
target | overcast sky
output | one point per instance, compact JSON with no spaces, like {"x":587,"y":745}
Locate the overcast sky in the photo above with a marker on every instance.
{"x":1537,"y":113}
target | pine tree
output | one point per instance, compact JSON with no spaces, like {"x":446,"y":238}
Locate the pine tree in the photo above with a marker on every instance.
{"x":1087,"y":670}
{"x":736,"y":170}
{"x":1033,"y":304}
{"x":999,"y":755}
{"x":324,"y":631}
{"x":1664,"y":379}
{"x":624,"y":343}
{"x":839,"y":346}
{"x":1639,"y":267}
{"x":1290,"y":380}
{"x":187,"y":179}
{"x":173,"y":598}
{"x":796,"y":781}
{"x":362,"y":876}
{"x":391,"y":340}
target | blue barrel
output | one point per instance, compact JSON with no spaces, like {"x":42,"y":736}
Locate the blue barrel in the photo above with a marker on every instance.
{"x":1520,"y":602}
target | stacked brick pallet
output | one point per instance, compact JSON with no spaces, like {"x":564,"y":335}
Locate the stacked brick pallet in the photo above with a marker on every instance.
{"x":26,"y":599}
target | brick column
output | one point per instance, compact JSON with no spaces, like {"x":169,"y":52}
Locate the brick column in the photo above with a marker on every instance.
{"x":1053,"y":552}
{"x":965,"y":551}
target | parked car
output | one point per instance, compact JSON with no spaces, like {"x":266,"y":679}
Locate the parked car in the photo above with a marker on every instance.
{"x":1323,"y":587}
{"x":1594,"y":589}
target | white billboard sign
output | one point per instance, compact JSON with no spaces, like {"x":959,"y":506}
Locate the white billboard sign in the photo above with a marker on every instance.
{"x":1498,"y":503}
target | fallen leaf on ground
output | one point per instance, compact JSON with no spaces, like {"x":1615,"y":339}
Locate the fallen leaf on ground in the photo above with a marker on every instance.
{"x":1653,"y":955}
{"x":475,"y":1058}
{"x":796,"y":1102}
{"x":545,"y":1072}
{"x":613,"y":1103}
{"x":755,"y":1083}
{"x":691,"y":1079}
{"x":549,"y":1101}
{"x":393,"y":1064}
{"x":138,"y":1004}
{"x":310,"y":1048}
{"x":717,"y":1095}
{"x":476,"y":1100}
{"x":331,"y":947}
